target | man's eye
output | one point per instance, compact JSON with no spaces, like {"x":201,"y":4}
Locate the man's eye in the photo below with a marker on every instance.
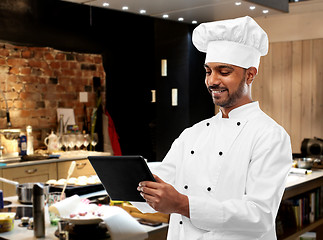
{"x":225,"y":73}
{"x":208,"y":72}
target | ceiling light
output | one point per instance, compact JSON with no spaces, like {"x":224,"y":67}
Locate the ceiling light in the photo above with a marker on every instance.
{"x":165,"y":16}
{"x":125,"y":8}
{"x":194,"y":22}
{"x":265,"y":11}
{"x":180,"y":19}
{"x":105,"y":4}
{"x":238,"y":3}
{"x":142,"y":11}
{"x":252,"y":7}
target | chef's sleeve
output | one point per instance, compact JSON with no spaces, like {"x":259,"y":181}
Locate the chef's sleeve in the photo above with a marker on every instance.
{"x":254,"y":214}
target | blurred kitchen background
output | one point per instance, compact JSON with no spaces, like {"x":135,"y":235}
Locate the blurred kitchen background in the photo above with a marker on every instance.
{"x":53,"y":53}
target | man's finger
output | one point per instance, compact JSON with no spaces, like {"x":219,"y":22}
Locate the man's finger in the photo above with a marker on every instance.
{"x":149,"y":184}
{"x":149,"y":191}
{"x":158,"y":179}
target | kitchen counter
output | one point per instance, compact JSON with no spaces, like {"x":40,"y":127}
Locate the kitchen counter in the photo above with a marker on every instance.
{"x":300,"y":183}
{"x":46,"y":169}
{"x":296,"y":179}
{"x":22,"y":233}
{"x":64,"y":156}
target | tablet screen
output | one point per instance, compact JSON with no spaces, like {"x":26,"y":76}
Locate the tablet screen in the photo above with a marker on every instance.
{"x":121,"y":175}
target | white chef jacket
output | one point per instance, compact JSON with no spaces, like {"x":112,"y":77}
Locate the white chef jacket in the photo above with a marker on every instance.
{"x":233,"y":171}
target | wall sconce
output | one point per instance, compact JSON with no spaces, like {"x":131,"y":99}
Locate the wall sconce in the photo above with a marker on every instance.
{"x":164,"y":67}
{"x":174,"y":97}
{"x":153,"y":96}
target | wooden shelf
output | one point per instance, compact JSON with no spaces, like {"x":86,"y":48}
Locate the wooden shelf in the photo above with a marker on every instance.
{"x":303,"y":230}
{"x":306,"y":184}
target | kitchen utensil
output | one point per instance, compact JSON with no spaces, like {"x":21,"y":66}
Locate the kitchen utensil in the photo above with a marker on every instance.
{"x":25,"y":190}
{"x":83,"y":221}
{"x":52,"y":142}
{"x":38,"y":210}
{"x":9,"y":181}
{"x":312,"y":147}
{"x":306,"y":162}
{"x":9,"y":143}
{"x":69,"y":173}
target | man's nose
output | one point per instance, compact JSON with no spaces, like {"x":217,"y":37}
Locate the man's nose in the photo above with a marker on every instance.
{"x":213,"y":79}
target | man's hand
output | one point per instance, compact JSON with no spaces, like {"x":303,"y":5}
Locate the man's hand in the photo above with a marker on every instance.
{"x":163,"y":197}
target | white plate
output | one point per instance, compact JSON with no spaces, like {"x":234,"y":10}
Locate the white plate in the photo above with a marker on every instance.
{"x":82,"y":221}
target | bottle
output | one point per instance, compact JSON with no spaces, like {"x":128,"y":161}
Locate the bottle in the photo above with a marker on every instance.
{"x":1,"y":200}
{"x":22,"y":144}
{"x":60,"y":130}
{"x":38,"y":210}
{"x":30,"y":140}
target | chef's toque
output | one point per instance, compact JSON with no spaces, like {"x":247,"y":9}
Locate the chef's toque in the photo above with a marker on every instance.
{"x":240,"y":41}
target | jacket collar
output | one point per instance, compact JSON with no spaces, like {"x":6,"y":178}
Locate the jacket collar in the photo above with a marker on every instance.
{"x":242,"y":112}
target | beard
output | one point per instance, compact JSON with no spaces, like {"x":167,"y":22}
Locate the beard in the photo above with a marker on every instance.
{"x":232,"y":98}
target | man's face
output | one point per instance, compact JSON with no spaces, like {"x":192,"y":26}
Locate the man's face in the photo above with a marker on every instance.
{"x":227,"y":84}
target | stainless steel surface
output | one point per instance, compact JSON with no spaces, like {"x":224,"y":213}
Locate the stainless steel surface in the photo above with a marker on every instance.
{"x":25,"y":192}
{"x":21,"y":211}
{"x":306,"y":162}
{"x":10,"y":133}
{"x":9,"y":143}
{"x":38,"y":210}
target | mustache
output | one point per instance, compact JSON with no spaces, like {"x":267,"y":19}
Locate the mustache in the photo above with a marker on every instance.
{"x":215,"y":87}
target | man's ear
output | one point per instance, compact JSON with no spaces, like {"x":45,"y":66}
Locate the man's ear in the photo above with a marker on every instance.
{"x":251,"y":74}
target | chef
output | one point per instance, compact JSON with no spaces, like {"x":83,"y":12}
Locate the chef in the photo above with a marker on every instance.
{"x":224,"y":177}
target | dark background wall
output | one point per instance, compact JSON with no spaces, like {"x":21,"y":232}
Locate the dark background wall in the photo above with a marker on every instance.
{"x":132,"y":47}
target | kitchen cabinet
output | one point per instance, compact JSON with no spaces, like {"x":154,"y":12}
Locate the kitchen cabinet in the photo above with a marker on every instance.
{"x":149,"y":127}
{"x":299,"y":189}
{"x":185,"y":73}
{"x":82,"y":168}
{"x":29,"y":173}
{"x":43,"y":170}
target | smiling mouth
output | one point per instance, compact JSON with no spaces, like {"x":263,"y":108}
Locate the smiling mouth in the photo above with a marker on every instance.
{"x":218,"y":91}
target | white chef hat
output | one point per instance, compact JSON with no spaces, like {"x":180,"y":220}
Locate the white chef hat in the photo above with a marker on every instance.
{"x":240,"y":41}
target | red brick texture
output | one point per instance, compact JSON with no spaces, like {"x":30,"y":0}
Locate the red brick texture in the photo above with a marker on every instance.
{"x":38,"y":80}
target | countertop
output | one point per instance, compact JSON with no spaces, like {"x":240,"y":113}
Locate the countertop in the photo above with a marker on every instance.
{"x":22,"y":233}
{"x":64,"y":156}
{"x":296,"y":179}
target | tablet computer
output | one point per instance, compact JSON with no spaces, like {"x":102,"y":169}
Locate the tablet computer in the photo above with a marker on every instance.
{"x":120,"y":175}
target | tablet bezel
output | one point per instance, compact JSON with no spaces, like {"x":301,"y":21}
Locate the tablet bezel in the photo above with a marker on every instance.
{"x":120,"y":175}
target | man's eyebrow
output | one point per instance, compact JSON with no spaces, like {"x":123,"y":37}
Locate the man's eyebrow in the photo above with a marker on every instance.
{"x":220,"y":67}
{"x":224,"y":66}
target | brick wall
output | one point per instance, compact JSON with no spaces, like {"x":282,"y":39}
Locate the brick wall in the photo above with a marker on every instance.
{"x":38,"y":80}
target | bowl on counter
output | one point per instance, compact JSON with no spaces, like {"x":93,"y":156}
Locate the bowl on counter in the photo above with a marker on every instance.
{"x":306,"y":162}
{"x":6,"y":221}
